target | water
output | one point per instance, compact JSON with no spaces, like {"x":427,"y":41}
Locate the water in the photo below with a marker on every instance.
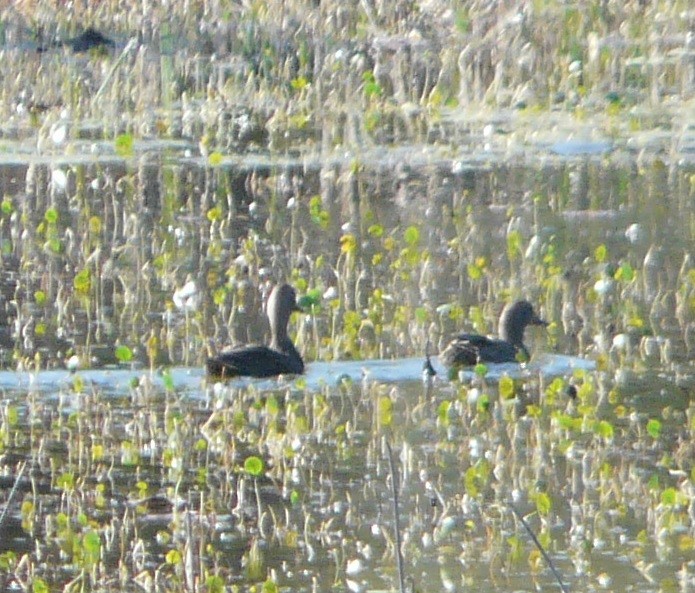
{"x":409,"y":178}
{"x":317,"y":374}
{"x":322,"y":438}
{"x":408,"y":248}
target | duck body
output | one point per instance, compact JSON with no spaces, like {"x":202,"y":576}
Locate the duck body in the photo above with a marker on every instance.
{"x":471,"y":349}
{"x":280,"y":357}
{"x":91,"y":39}
{"x":255,"y":361}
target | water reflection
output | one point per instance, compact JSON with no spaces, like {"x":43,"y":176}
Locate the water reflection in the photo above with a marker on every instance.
{"x":399,"y":257}
{"x":392,"y":246}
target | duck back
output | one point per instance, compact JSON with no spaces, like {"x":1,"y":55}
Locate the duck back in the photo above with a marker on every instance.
{"x":254,"y":361}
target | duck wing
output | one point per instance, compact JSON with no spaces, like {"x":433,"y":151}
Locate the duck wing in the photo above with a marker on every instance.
{"x":254,"y":361}
{"x":464,"y":350}
{"x":470,"y":349}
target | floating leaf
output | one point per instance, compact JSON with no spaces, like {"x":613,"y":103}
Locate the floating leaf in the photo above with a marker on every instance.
{"x":95,"y":225}
{"x":7,"y":207}
{"x":483,"y":403}
{"x":600,"y":253}
{"x":124,"y":354}
{"x":66,"y":481}
{"x":376,"y":230}
{"x":53,"y":245}
{"x":253,"y":465}
{"x":318,"y":215}
{"x":174,"y":557}
{"x":51,"y":216}
{"x":299,"y":121}
{"x":348,"y":244}
{"x":604,"y":429}
{"x":412,"y":236}
{"x":124,"y":145}
{"x":480,"y":369}
{"x":371,"y":86}
{"x":471,"y":482}
{"x":8,"y":560}
{"x":385,"y":410}
{"x":272,"y":405}
{"x":129,"y":454}
{"x":567,"y":422}
{"x":83,"y":282}
{"x":625,"y":273}
{"x":97,"y":452}
{"x":12,"y":414}
{"x":168,"y":380}
{"x":215,"y":159}
{"x":311,"y":300}
{"x":533,"y":411}
{"x":506,"y":387}
{"x":636,"y":322}
{"x":214,"y":584}
{"x":543,"y":503}
{"x":443,"y":411}
{"x":214,"y":214}
{"x":653,"y":482}
{"x":219,"y":295}
{"x":475,"y":272}
{"x":515,"y":548}
{"x":514,"y":245}
{"x":78,"y":384}
{"x":668,"y":497}
{"x":91,"y":543}
{"x":299,"y":83}
{"x":654,"y":428}
{"x":686,"y":543}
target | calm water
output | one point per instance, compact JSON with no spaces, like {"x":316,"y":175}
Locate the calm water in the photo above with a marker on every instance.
{"x":164,"y":255}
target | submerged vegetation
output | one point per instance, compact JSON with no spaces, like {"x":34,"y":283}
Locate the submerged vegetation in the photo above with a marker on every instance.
{"x":408,"y":168}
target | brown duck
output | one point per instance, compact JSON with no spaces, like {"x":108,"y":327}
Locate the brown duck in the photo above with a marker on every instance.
{"x":470,"y":349}
{"x":280,"y":357}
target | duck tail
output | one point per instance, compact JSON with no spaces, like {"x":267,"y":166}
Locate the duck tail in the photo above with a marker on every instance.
{"x":214,"y":367}
{"x":427,"y":367}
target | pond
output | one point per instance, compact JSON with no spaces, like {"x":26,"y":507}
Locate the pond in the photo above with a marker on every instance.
{"x":132,"y":471}
{"x":409,"y":168}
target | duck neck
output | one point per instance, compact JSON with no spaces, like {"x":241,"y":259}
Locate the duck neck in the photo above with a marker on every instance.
{"x":512,"y":334}
{"x":282,"y":343}
{"x":279,"y":340}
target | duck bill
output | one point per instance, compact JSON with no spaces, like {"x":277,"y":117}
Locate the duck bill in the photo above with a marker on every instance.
{"x":538,"y":321}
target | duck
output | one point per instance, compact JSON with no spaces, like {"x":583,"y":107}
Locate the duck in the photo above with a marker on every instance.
{"x":89,"y":40}
{"x":471,"y":349}
{"x":280,"y":357}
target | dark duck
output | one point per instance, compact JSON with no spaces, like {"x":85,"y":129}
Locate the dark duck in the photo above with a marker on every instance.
{"x":280,"y":357}
{"x":89,"y":40}
{"x":471,"y":349}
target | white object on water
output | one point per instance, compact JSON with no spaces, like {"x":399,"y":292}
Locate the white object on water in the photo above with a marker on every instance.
{"x":187,"y":297}
{"x":59,"y":179}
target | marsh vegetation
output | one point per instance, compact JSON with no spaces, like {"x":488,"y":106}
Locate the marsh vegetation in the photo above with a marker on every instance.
{"x":408,"y":168}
